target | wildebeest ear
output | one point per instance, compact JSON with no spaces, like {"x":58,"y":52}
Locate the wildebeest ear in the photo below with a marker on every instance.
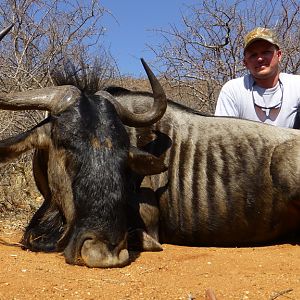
{"x":37,"y":137}
{"x":144,"y":163}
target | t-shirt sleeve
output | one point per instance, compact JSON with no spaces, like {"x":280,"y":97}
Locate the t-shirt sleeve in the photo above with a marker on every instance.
{"x":226,"y":103}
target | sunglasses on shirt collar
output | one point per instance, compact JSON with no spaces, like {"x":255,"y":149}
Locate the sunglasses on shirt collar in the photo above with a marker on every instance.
{"x":264,"y":113}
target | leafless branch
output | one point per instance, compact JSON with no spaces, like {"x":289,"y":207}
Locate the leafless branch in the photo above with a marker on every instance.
{"x":207,"y":49}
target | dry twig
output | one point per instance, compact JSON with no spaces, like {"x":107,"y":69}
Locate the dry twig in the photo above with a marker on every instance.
{"x":278,"y":294}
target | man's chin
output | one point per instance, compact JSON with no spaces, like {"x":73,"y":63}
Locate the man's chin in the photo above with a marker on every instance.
{"x":262,"y":74}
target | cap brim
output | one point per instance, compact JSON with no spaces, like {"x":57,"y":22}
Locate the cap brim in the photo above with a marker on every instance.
{"x":260,"y":39}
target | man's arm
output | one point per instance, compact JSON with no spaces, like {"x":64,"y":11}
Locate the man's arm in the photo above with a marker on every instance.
{"x":297,"y":119}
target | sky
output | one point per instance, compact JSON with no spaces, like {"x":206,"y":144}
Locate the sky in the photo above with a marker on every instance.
{"x":131,"y":29}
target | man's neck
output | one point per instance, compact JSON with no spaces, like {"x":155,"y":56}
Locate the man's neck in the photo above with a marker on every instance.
{"x":267,"y":82}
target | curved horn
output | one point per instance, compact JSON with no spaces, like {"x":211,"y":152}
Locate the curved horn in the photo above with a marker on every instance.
{"x":5,"y":31}
{"x":148,"y":118}
{"x":53,"y":99}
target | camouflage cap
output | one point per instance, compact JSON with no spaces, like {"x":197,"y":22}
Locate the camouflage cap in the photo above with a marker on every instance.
{"x":260,"y":33}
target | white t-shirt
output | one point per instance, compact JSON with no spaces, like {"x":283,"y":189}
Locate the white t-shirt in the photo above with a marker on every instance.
{"x":241,"y":98}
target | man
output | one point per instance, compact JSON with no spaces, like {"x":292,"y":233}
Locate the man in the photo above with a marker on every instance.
{"x":266,"y":94}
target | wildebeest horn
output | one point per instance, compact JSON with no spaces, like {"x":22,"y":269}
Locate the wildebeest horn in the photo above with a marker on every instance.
{"x":53,"y":99}
{"x":5,"y":31}
{"x":144,"y":119}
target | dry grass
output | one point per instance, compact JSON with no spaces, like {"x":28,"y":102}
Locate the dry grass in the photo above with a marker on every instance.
{"x":19,"y":197}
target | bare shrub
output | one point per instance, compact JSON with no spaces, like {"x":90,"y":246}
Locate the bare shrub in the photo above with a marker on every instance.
{"x":208,"y":51}
{"x":46,"y":34}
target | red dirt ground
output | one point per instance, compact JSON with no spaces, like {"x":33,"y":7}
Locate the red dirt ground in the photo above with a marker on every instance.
{"x":271,"y":272}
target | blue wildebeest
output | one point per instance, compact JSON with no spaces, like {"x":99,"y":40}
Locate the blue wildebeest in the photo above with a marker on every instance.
{"x":229,"y":181}
{"x":81,"y":165}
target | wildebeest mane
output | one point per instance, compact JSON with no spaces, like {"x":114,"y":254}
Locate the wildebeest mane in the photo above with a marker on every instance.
{"x":87,"y":81}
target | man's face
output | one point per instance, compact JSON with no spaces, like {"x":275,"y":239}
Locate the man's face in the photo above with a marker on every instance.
{"x":262,"y":59}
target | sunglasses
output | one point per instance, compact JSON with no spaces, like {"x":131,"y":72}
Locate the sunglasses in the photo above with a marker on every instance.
{"x":268,"y":113}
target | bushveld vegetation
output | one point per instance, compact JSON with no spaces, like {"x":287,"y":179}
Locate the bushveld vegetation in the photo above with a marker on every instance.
{"x":194,"y":62}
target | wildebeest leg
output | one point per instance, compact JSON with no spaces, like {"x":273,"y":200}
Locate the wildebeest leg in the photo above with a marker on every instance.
{"x":143,"y":219}
{"x":140,"y":240}
{"x":47,"y":224}
{"x":281,"y":165}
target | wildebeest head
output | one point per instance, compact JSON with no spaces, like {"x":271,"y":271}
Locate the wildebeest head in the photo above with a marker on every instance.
{"x":83,"y":160}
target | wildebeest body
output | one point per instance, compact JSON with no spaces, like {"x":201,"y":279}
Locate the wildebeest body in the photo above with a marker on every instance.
{"x":229,"y":181}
